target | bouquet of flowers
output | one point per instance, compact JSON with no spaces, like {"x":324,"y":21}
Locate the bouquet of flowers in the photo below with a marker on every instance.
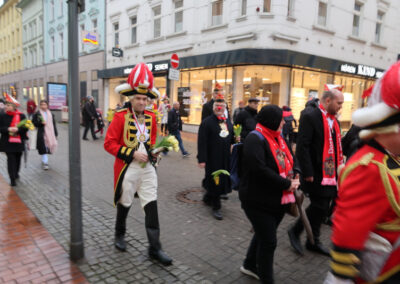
{"x":168,"y":143}
{"x":216,"y":175}
{"x":237,"y":129}
{"x":26,"y":123}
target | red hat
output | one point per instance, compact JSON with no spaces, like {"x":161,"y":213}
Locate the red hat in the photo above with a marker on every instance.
{"x":140,"y":81}
{"x":11,"y":99}
{"x":220,"y":98}
{"x":218,"y":87}
{"x":330,"y":87}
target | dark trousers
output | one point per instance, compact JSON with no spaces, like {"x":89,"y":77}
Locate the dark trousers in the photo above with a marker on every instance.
{"x":13,"y":164}
{"x":213,"y":199}
{"x":177,"y":135}
{"x":317,"y":212}
{"x":260,"y":254}
{"x":89,"y":124}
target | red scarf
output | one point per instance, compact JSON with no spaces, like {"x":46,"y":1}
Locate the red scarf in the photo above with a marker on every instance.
{"x":14,"y":122}
{"x":282,"y":156}
{"x":329,"y":161}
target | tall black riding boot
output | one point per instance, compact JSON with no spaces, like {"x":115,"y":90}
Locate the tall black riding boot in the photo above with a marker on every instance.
{"x":153,"y":234}
{"x":120,"y":227}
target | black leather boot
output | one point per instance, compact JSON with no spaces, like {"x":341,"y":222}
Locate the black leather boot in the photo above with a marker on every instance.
{"x":153,"y":234}
{"x":120,"y":227}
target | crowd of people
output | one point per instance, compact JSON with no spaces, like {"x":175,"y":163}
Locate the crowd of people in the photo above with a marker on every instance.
{"x":352,"y":182}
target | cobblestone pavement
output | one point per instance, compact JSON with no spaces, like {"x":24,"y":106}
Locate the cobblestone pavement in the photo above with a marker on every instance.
{"x":204,"y":250}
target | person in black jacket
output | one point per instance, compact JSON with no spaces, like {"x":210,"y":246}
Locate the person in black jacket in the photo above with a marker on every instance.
{"x":208,"y":106}
{"x":175,"y":126}
{"x":89,"y":115}
{"x":319,"y":134}
{"x":266,"y":189}
{"x":12,"y":140}
{"x":247,"y":118}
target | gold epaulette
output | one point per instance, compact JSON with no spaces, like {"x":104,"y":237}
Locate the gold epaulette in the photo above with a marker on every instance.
{"x":363,"y":161}
{"x":122,"y":109}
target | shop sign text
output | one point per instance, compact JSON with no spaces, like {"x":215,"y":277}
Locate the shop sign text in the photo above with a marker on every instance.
{"x":362,"y":70}
{"x":157,"y":67}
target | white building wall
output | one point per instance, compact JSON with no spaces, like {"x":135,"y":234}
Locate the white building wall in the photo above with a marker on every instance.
{"x":255,"y":30}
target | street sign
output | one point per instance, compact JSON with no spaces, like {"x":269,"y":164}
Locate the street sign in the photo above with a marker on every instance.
{"x":173,"y":74}
{"x":174,"y":60}
{"x":117,"y":52}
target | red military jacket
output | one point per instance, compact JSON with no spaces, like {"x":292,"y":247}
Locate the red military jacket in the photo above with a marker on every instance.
{"x":121,"y":141}
{"x":368,"y":201}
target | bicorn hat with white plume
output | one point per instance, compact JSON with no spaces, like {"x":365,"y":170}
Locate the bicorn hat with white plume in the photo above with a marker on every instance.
{"x":140,"y":82}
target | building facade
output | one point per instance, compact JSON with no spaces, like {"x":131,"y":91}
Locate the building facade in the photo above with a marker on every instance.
{"x":283,"y":52}
{"x":10,"y":42}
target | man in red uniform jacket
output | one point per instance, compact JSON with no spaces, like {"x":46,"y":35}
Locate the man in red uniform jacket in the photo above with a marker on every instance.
{"x":130,"y":138}
{"x":366,"y":224}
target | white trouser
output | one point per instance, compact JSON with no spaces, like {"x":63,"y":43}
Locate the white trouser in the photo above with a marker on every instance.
{"x":45,"y":159}
{"x":140,"y":180}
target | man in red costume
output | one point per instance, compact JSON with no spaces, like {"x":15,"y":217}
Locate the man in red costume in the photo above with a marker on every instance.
{"x":130,"y":138}
{"x":366,"y":224}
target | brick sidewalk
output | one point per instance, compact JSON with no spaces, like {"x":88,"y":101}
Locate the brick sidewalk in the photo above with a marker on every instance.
{"x":28,"y":253}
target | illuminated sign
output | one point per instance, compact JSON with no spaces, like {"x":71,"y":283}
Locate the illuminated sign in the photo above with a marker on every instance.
{"x":88,"y":37}
{"x":155,"y":68}
{"x":362,"y":70}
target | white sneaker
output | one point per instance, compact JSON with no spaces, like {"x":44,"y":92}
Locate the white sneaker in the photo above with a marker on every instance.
{"x":249,"y":272}
{"x":45,"y":167}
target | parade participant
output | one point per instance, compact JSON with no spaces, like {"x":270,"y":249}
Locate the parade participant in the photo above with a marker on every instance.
{"x":238,"y":109}
{"x":12,"y":137}
{"x":366,"y":228}
{"x":46,"y":139}
{"x":208,"y":107}
{"x":175,"y":126}
{"x":163,"y":110}
{"x":247,"y":118}
{"x":319,"y":154}
{"x":130,"y":137}
{"x":287,"y":130}
{"x":89,"y":115}
{"x":266,"y":189}
{"x":213,"y":144}
{"x":30,"y":107}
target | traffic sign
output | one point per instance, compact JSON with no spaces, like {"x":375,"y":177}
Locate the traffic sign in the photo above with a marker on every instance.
{"x":174,"y":61}
{"x":117,"y":52}
{"x":173,"y":74}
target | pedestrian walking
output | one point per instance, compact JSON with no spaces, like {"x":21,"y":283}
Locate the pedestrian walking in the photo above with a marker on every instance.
{"x":129,"y":138}
{"x":213,"y":145}
{"x":238,"y":110}
{"x":266,"y":189}
{"x":46,"y":139}
{"x":319,"y":153}
{"x":163,"y":111}
{"x":89,"y":115}
{"x":100,"y":123}
{"x":12,"y":140}
{"x":288,"y":129}
{"x":247,"y":118}
{"x":30,"y":108}
{"x":175,"y":126}
{"x":366,"y":228}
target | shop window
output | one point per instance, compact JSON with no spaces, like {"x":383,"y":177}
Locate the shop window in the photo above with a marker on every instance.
{"x":217,"y":12}
{"x":133,"y":29}
{"x":322,"y":13}
{"x":357,"y":18}
{"x":378,"y":28}
{"x":243,"y":10}
{"x":178,"y":16}
{"x":157,"y":21}
{"x":267,"y":6}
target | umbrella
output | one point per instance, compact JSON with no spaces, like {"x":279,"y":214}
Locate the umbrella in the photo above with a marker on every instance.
{"x":299,"y":196}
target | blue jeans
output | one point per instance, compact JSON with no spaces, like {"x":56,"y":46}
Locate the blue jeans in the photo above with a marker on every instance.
{"x":177,"y":135}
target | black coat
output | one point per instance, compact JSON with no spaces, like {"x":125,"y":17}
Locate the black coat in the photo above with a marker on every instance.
{"x":261,"y":186}
{"x":247,"y":119}
{"x":174,"y":121}
{"x":207,"y":110}
{"x":309,"y":151}
{"x":40,"y":144}
{"x":215,"y":151}
{"x":5,"y":146}
{"x":89,"y":112}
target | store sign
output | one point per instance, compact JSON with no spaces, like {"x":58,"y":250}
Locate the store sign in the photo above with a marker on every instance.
{"x":155,"y":68}
{"x":161,"y":67}
{"x":173,"y":74}
{"x":57,"y":95}
{"x":362,"y":70}
{"x":91,"y":38}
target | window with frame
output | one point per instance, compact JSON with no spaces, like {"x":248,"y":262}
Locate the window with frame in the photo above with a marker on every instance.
{"x":94,"y":25}
{"x":243,"y":8}
{"x":157,"y":21}
{"x":61,"y":45}
{"x":178,"y":15}
{"x":61,"y":7}
{"x":116,"y":34}
{"x":133,"y":29}
{"x":51,"y":10}
{"x":82,"y":29}
{"x":322,"y":13}
{"x":94,"y":75}
{"x":290,"y":11}
{"x":267,"y":6}
{"x":379,"y":24}
{"x":53,"y":48}
{"x":357,"y":18}
{"x":217,"y":12}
